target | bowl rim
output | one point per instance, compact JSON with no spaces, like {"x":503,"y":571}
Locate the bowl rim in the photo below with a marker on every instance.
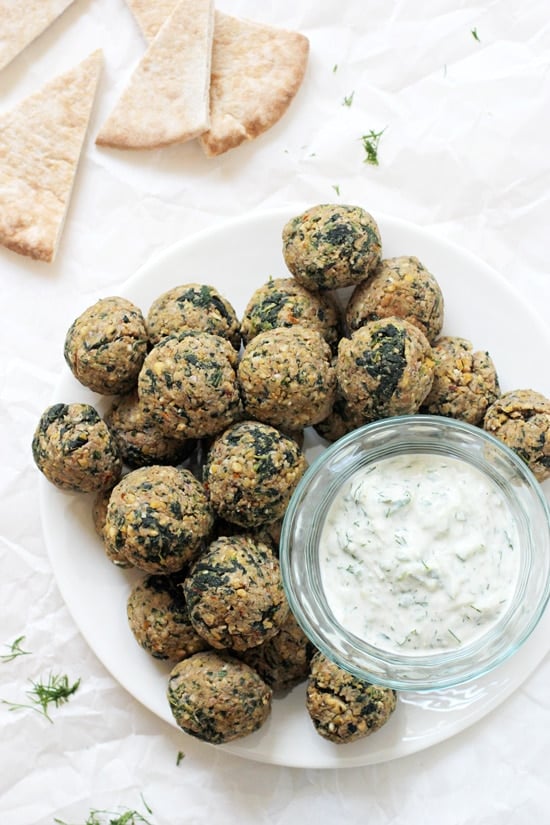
{"x":425,"y":664}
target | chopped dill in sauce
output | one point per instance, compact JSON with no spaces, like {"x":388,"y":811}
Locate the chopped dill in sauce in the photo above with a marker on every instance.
{"x":418,"y":552}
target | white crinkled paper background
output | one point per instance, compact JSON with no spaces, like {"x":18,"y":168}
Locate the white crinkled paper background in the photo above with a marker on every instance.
{"x":464,"y":153}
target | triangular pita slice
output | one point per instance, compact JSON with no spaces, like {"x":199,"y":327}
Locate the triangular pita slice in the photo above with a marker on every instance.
{"x":21,"y":22}
{"x":167,"y":98}
{"x":256,"y":72}
{"x":41,"y":141}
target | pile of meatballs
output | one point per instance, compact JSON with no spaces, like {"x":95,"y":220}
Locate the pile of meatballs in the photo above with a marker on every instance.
{"x":201,"y":448}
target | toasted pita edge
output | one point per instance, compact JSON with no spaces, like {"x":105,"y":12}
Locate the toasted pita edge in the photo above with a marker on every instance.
{"x":270,"y":108}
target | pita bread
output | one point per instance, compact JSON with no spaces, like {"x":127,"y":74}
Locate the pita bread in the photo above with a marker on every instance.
{"x":41,"y":141}
{"x":151,"y":14}
{"x":22,"y":22}
{"x":167,"y":98}
{"x":256,"y":72}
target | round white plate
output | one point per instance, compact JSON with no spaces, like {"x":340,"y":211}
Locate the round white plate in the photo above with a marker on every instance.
{"x":237,"y":257}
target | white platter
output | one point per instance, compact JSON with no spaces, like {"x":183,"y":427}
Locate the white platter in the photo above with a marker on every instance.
{"x":237,"y":257}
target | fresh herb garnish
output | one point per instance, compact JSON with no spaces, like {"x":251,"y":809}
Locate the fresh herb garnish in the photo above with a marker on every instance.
{"x":15,"y":650}
{"x":179,"y":757}
{"x":335,"y":68}
{"x":348,"y":100}
{"x":97,"y":817}
{"x":336,"y":188}
{"x":370,"y":145}
{"x":475,"y":35}
{"x":57,"y":690}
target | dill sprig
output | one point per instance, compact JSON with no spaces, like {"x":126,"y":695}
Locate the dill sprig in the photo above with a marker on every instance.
{"x":348,"y":100}
{"x":370,"y":145}
{"x":96,"y":817}
{"x":15,"y":650}
{"x":126,"y":817}
{"x":475,"y":35}
{"x":56,"y":691}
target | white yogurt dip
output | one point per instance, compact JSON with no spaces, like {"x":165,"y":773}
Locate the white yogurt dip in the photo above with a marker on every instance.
{"x":419,"y":552}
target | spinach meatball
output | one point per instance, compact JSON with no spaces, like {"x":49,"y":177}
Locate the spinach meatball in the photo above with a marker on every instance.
{"x":188,"y":385}
{"x":250,"y":473}
{"x":521,"y":419}
{"x":287,"y":378}
{"x":331,"y":245}
{"x":384,"y":369}
{"x":193,"y":306}
{"x":159,"y":619}
{"x":283,"y":302}
{"x":343,"y":707}
{"x":465,"y":382}
{"x":402,"y":288}
{"x":217,"y":698}
{"x":282,"y":661}
{"x":234,"y":593}
{"x":158,"y":519}
{"x":74,"y":449}
{"x":106,"y":345}
{"x":140,"y":440}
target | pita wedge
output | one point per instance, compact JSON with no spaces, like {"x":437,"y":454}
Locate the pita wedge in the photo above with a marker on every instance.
{"x":22,"y":22}
{"x":256,"y":72}
{"x":41,"y":141}
{"x":167,"y":98}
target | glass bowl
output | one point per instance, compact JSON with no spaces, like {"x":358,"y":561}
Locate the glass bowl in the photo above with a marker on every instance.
{"x":317,"y":548}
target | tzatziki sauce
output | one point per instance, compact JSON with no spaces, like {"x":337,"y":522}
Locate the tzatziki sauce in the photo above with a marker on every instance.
{"x":418,"y":552}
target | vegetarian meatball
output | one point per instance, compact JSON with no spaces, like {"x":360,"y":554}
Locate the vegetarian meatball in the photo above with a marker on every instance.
{"x":283,"y":302}
{"x":106,"y":345}
{"x":465,"y":382}
{"x":384,"y":369}
{"x":250,"y":473}
{"x":282,"y":661}
{"x":158,"y":518}
{"x":402,"y":288}
{"x":159,"y":619}
{"x":342,"y":707}
{"x":217,"y":698}
{"x":287,"y":378}
{"x":141,"y":441}
{"x":188,"y":385}
{"x":234,"y":593}
{"x":193,"y":306}
{"x":521,"y":419}
{"x":74,"y":449}
{"x":331,"y":245}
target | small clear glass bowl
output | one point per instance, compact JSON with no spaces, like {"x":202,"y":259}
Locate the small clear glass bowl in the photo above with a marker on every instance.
{"x":300,"y":552}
